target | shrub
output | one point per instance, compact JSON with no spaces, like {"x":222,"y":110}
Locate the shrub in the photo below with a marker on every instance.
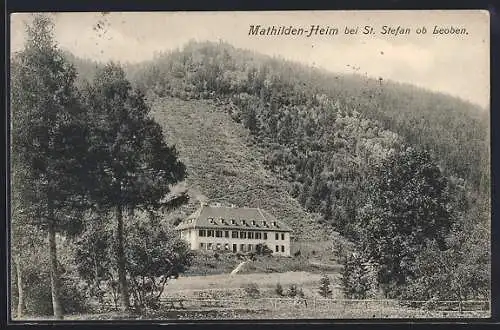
{"x":154,"y":255}
{"x":37,"y":287}
{"x":279,"y":290}
{"x":73,"y":299}
{"x":359,"y":280}
{"x":251,"y":290}
{"x":292,"y":291}
{"x":38,"y":295}
{"x":263,"y":249}
{"x":300,"y":293}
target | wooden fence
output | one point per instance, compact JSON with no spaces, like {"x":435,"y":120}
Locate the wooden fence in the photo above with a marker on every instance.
{"x":324,"y":308}
{"x":320,"y":303}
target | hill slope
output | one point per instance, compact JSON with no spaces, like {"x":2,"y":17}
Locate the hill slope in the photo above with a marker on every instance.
{"x":224,"y":166}
{"x":315,"y":134}
{"x":443,"y":124}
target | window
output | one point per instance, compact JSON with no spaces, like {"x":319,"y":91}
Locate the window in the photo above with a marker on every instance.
{"x":265,"y":235}
{"x":258,"y":235}
{"x":277,"y":248}
{"x":283,"y":236}
{"x":210,"y":233}
{"x":243,"y":234}
{"x":250,"y":235}
{"x":250,"y":246}
{"x":202,"y":233}
{"x":226,"y":233}
{"x":202,"y":245}
{"x":282,"y":248}
{"x":209,"y":247}
{"x":242,"y":247}
{"x":277,"y":236}
{"x":234,"y":234}
{"x":218,"y":246}
{"x":218,"y":233}
{"x":226,"y":247}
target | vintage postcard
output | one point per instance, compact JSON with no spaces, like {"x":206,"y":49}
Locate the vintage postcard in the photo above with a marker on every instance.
{"x":250,"y":165}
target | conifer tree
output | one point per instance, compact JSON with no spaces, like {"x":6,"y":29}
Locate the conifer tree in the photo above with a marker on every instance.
{"x":48,"y":142}
{"x":324,"y":286}
{"x":134,"y":166}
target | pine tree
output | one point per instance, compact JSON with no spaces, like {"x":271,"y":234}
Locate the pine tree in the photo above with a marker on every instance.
{"x":134,"y":166}
{"x":324,"y":286}
{"x":49,"y":142}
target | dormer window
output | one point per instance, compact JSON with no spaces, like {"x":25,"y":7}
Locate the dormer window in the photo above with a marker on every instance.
{"x":244,"y":222}
{"x":211,"y":220}
{"x":233,"y":222}
{"x":274,"y":223}
{"x":264,"y":223}
{"x":253,"y":222}
{"x":222,"y":221}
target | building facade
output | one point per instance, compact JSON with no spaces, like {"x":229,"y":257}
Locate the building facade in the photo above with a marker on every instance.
{"x":235,"y":229}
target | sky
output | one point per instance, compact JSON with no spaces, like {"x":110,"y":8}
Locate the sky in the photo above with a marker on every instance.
{"x":455,"y":64}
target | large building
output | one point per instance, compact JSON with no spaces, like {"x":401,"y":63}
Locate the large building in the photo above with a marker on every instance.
{"x":235,"y":229}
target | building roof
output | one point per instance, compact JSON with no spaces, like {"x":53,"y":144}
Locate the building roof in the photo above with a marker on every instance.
{"x":219,"y":217}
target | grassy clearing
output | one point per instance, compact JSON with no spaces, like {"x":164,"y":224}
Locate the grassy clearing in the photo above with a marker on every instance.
{"x":226,"y":286}
{"x":225,"y":166}
{"x":225,"y":281}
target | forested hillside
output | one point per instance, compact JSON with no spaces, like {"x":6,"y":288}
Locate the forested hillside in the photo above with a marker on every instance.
{"x":323,"y":132}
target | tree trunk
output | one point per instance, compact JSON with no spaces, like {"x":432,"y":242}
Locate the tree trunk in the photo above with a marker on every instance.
{"x":460,"y":300}
{"x":122,"y":278}
{"x":20,"y":292}
{"x":54,"y":273}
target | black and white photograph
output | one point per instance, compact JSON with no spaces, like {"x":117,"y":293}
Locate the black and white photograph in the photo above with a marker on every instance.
{"x":258,"y":165}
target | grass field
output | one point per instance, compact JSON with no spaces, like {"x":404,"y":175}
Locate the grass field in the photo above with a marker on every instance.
{"x":266,"y":282}
{"x":258,"y":310}
{"x":223,"y":262}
